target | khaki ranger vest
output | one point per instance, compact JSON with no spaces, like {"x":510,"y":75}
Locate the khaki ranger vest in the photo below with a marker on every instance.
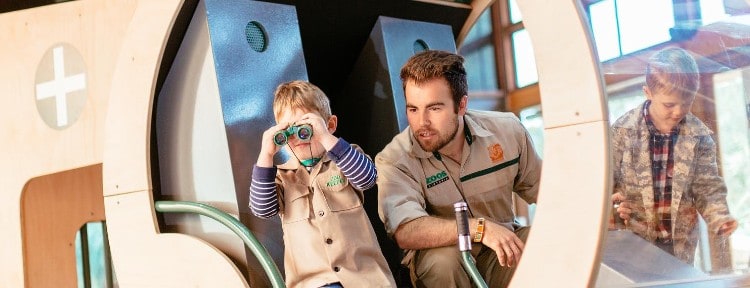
{"x":327,"y":235}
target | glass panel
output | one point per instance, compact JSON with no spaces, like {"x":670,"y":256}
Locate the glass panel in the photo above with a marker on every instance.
{"x":98,"y":261}
{"x":515,"y":13}
{"x":712,"y":11}
{"x":79,"y":260}
{"x":622,"y":27}
{"x":684,"y":173}
{"x":482,"y":28}
{"x":531,"y":118}
{"x":97,"y":255}
{"x":604,"y":27}
{"x":480,"y":64}
{"x":523,"y":55}
{"x":643,"y":27}
{"x":733,"y":101}
{"x":479,"y":54}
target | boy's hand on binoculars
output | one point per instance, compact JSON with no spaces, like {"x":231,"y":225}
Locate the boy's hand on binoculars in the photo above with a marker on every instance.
{"x":318,"y":123}
{"x":320,"y":129}
{"x":268,"y":148}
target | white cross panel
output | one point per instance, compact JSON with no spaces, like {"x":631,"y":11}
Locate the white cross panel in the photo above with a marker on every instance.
{"x":60,"y":86}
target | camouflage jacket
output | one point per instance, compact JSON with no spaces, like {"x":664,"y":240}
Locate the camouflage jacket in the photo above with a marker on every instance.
{"x":697,"y":187}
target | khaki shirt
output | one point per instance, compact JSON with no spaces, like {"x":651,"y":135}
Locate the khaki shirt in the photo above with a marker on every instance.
{"x":498,"y":159}
{"x":327,"y":235}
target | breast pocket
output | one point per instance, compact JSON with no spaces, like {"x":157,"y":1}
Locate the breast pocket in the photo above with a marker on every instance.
{"x":296,"y":203}
{"x":491,"y":194}
{"x":339,"y":195}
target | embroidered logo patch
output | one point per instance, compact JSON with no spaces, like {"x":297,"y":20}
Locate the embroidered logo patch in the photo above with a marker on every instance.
{"x":496,"y":152}
{"x":335,"y":180}
{"x":436,"y":179}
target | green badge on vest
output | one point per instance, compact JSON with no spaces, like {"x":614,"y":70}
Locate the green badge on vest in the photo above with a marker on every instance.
{"x":335,"y":180}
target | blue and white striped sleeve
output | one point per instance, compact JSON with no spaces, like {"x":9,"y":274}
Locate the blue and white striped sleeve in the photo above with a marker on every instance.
{"x":264,"y":201}
{"x":357,"y":167}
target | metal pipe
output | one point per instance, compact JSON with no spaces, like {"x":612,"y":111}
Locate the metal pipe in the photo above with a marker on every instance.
{"x":464,"y":244}
{"x":260,"y":252}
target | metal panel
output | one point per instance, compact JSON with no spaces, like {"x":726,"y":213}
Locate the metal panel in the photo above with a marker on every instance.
{"x":371,"y":108}
{"x":628,"y":258}
{"x":374,"y":97}
{"x":247,"y":79}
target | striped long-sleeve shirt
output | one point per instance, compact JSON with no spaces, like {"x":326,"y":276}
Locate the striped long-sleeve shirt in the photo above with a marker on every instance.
{"x":355,"y":166}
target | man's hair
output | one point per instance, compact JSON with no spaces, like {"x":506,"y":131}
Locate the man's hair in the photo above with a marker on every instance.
{"x":432,"y":64}
{"x":300,"y":95}
{"x":671,"y":71}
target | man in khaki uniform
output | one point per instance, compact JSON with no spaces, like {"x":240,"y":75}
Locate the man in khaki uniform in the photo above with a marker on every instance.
{"x":450,"y":154}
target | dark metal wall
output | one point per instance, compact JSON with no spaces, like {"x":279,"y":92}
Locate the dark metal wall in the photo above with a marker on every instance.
{"x":373,"y":96}
{"x":334,"y":32}
{"x":256,"y":47}
{"x":371,"y":105}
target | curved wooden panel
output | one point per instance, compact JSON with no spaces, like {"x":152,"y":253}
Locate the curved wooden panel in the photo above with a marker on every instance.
{"x":570,"y":220}
{"x":89,"y":31}
{"x":477,"y":8}
{"x":141,"y":256}
{"x":53,"y":209}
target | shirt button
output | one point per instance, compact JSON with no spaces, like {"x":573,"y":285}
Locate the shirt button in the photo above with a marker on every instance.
{"x":336,"y":269}
{"x":321,"y":213}
{"x":329,"y":241}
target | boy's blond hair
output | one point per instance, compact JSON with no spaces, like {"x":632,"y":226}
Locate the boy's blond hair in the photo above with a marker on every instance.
{"x":300,"y":95}
{"x":673,"y":71}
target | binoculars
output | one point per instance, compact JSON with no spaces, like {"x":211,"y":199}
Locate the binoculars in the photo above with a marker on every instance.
{"x":303,"y":132}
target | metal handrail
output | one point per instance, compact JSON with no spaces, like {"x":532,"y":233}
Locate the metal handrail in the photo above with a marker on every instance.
{"x":464,"y":244}
{"x":471,"y":269}
{"x":260,"y":252}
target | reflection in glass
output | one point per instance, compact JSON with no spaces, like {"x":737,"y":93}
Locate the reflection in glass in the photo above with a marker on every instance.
{"x":642,"y":27}
{"x":621,"y":27}
{"x":734,"y":145}
{"x":712,"y":11}
{"x":626,"y":34}
{"x":531,"y":118}
{"x":604,"y":27}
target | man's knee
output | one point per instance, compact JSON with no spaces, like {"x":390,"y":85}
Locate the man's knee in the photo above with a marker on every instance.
{"x":439,"y":266}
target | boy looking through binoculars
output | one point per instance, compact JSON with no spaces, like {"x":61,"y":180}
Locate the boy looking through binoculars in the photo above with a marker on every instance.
{"x":328,"y":238}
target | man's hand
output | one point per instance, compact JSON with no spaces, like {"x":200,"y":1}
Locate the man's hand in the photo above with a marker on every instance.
{"x":504,"y":242}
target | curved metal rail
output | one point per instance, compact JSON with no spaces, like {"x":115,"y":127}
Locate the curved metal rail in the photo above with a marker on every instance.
{"x":471,"y":269}
{"x":272,"y":271}
{"x":464,"y":244}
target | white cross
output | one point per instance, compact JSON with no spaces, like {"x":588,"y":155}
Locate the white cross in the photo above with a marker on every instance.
{"x":60,"y":86}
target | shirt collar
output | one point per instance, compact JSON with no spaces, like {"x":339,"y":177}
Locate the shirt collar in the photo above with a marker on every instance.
{"x":292,"y":162}
{"x":471,"y":130}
